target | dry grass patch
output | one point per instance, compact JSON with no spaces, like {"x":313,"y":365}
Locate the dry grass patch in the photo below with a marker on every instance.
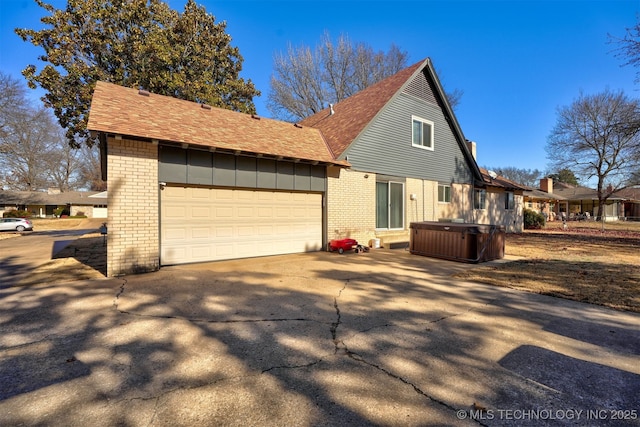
{"x":582,"y":263}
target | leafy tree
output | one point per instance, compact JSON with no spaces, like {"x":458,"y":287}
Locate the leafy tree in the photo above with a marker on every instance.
{"x":598,"y":136}
{"x":565,"y":175}
{"x":306,"y":80}
{"x":527,"y":177}
{"x":134,"y":43}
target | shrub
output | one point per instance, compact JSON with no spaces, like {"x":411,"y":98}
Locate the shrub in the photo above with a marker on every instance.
{"x":533,"y":220}
{"x":61,"y":212}
{"x":17,"y":214}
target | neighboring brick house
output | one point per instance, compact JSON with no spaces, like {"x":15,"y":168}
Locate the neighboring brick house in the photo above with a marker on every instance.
{"x":43,"y":204}
{"x":631,"y":203}
{"x":582,"y":203}
{"x":191,"y":183}
{"x":544,"y":201}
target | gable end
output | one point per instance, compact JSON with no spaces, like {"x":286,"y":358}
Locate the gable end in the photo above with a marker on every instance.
{"x":421,"y":88}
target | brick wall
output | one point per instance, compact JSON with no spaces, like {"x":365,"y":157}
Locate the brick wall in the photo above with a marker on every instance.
{"x":133,"y":224}
{"x":351,"y":208}
{"x":351,"y":205}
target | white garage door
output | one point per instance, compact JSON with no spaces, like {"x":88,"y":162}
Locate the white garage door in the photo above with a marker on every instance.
{"x":99,"y":212}
{"x":208,"y":224}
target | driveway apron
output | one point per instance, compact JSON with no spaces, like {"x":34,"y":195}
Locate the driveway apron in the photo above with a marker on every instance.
{"x":382,"y":338}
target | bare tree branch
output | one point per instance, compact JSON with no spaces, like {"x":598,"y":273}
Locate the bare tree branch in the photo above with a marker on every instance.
{"x":598,"y":136}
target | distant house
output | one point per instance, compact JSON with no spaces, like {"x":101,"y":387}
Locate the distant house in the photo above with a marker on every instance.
{"x":544,"y":201}
{"x":630,"y":203}
{"x":203,"y":183}
{"x":582,"y":202}
{"x":43,"y":204}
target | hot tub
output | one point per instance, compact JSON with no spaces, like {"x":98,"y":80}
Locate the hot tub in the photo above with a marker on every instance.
{"x":458,"y":242}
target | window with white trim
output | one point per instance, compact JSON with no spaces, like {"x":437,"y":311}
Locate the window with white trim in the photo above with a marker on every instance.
{"x":444,"y":193}
{"x":390,"y":205}
{"x":421,"y":133}
{"x":479,"y":198}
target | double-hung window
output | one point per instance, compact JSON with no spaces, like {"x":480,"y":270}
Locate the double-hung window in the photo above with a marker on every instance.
{"x":479,"y":198}
{"x":421,"y":133}
{"x":389,"y":205}
{"x":444,"y":193}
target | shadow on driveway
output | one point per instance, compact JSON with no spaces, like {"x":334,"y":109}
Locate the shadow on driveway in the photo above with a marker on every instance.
{"x":314,"y":339}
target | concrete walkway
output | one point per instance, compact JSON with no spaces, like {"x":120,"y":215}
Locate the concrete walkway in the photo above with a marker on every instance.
{"x":383,"y":338}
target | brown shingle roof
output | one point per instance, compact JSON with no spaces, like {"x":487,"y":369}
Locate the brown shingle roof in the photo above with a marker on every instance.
{"x":120,"y":110}
{"x":499,"y":181}
{"x":43,"y":198}
{"x":353,"y":114}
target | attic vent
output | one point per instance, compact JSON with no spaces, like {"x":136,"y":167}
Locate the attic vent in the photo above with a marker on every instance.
{"x":421,"y":88}
{"x":297,"y":125}
{"x":205,"y":106}
{"x":143,"y":92}
{"x":255,"y":116}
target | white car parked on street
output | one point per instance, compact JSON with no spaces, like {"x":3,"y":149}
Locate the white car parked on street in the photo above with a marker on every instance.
{"x":15,"y":224}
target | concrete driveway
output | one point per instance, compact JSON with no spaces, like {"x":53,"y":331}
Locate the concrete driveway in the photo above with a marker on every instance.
{"x":384,"y":338}
{"x":21,"y":255}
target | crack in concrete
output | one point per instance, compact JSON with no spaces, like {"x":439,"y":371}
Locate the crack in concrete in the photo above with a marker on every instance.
{"x":118,"y":294}
{"x":199,"y":320}
{"x":341,"y":346}
{"x":306,"y":365}
{"x":358,"y":358}
{"x":338,"y":344}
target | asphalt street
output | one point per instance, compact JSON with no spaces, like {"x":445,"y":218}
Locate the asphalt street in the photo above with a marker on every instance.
{"x":20,"y":255}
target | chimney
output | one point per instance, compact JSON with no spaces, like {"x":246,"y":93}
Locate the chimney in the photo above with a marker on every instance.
{"x":546,"y":185}
{"x":472,"y":148}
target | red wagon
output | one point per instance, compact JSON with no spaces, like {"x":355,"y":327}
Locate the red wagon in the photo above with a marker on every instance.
{"x":342,"y":245}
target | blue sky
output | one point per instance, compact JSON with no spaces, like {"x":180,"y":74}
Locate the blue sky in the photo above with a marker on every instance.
{"x":516,"y":61}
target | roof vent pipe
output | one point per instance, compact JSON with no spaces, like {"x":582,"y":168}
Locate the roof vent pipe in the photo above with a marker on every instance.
{"x":331,"y":112}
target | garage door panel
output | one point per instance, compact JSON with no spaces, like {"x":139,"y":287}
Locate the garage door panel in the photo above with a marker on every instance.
{"x":174,"y":212}
{"x":204,"y":224}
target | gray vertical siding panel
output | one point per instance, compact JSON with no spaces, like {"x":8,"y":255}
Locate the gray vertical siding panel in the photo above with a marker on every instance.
{"x":173,"y":165}
{"x":246,"y":172}
{"x":267,"y":173}
{"x":318,"y":177}
{"x":199,"y":167}
{"x":224,"y":170}
{"x":180,"y":166}
{"x":302,"y":177}
{"x":285,"y":180}
{"x":385,"y":146}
